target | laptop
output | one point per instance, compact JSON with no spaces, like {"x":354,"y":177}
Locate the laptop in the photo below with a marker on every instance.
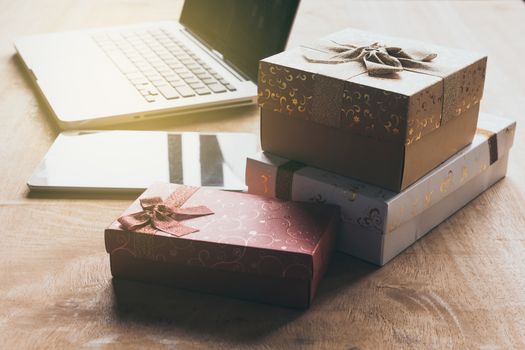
{"x":206,"y":61}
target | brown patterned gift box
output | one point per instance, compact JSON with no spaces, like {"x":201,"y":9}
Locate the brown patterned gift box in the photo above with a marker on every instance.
{"x":235,"y":244}
{"x":380,"y":109}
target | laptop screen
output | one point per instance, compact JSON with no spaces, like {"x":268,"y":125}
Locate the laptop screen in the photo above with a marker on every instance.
{"x":243,"y":31}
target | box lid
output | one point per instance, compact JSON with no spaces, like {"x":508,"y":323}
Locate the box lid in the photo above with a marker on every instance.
{"x":372,"y":207}
{"x":246,"y":233}
{"x":400,"y":107}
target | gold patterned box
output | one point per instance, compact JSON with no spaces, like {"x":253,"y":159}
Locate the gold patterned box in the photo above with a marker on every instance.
{"x":378,"y":224}
{"x":381,"y":109}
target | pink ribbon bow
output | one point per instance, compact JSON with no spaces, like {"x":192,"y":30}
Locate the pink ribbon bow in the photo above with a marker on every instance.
{"x":159,"y":215}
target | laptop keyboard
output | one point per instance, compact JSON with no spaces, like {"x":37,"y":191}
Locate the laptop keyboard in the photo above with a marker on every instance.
{"x":160,"y":66}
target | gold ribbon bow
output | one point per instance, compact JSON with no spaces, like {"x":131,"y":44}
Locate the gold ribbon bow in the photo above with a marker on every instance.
{"x":378,"y":59}
{"x":159,"y":215}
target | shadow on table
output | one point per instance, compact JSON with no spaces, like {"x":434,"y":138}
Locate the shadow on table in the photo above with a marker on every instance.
{"x":225,"y":319}
{"x":197,"y":314}
{"x":343,"y":274}
{"x":83,"y":195}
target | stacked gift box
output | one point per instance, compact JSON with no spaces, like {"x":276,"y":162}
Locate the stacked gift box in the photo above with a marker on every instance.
{"x":369,"y":142}
{"x":399,"y":152}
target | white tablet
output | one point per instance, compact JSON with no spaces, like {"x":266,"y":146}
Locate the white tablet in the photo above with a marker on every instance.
{"x":130,"y":161}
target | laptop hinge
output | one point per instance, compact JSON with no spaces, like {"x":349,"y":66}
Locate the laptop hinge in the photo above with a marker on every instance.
{"x":216,"y":55}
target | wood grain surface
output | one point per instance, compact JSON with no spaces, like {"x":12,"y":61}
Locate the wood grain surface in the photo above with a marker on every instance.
{"x":461,"y":286}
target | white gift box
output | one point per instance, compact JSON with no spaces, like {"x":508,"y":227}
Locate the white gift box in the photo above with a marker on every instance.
{"x":378,"y":224}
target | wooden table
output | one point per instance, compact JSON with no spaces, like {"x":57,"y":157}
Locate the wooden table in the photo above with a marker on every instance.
{"x":463,"y":285}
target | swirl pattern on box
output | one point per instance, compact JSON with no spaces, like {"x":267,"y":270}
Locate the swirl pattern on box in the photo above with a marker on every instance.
{"x":402,"y":108}
{"x":247,"y":233}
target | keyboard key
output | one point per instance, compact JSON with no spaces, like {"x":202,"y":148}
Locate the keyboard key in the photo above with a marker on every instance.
{"x":176,"y":66}
{"x":170,"y":76}
{"x":191,"y":79}
{"x":174,"y":79}
{"x":145,"y":88}
{"x":230,"y":87}
{"x":165,"y":71}
{"x":176,"y":52}
{"x":217,"y":88}
{"x":160,"y":83}
{"x":149,"y":92}
{"x":203,"y":91}
{"x":186,"y":61}
{"x":156,"y":79}
{"x":185,"y":91}
{"x":209,"y":80}
{"x":150,"y":98}
{"x":203,"y":76}
{"x":196,"y":85}
{"x":198,"y":70}
{"x":177,"y":84}
{"x":168,"y":92}
{"x":161,"y":67}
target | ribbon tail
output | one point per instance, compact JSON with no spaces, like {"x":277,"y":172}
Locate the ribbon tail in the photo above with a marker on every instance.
{"x":196,"y":211}
{"x":411,"y":54}
{"x":342,"y":47}
{"x":328,"y":61}
{"x":168,"y":220}
{"x":408,"y":63}
{"x":173,"y":227}
{"x":351,"y":54}
{"x":318,"y":56}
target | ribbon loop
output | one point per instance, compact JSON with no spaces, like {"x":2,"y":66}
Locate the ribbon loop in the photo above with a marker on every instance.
{"x":378,"y":59}
{"x":157,"y":215}
{"x":150,"y":202}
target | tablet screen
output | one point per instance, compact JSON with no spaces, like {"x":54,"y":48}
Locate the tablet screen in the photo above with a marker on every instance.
{"x":132,"y":160}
